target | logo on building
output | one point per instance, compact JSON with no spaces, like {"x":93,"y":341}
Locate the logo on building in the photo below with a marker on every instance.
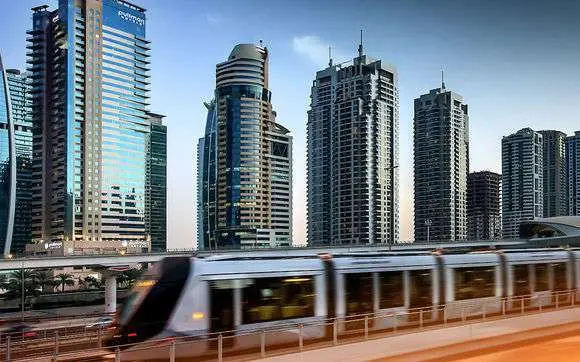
{"x":132,"y":18}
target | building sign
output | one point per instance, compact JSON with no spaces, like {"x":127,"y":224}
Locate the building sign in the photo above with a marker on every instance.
{"x":138,"y":244}
{"x":123,"y":18}
{"x":53,"y":245}
{"x":132,"y":18}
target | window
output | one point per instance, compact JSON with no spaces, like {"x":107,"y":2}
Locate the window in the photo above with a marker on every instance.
{"x":359,"y":293}
{"x":268,"y":299}
{"x":521,"y":280}
{"x":560,"y":276}
{"x":475,"y":282}
{"x":391,"y":287}
{"x":542,"y":278}
{"x":420,"y":284}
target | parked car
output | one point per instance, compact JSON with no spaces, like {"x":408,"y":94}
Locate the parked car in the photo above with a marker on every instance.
{"x":100,"y":323}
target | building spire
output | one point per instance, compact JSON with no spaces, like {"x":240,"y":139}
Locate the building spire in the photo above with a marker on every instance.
{"x":442,"y":80}
{"x":329,"y":56}
{"x":360,"y":46}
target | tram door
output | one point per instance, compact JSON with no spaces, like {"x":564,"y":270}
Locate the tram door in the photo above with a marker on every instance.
{"x":221,"y":302}
{"x":359,"y":299}
{"x":421,"y":290}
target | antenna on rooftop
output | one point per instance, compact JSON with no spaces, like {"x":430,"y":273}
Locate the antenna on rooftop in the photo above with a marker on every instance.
{"x":360,"y":46}
{"x":442,"y":80}
{"x":329,"y":56}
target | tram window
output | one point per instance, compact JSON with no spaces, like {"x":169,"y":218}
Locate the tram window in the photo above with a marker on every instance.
{"x":542,"y":278}
{"x":476,"y":282}
{"x":560,"y":276}
{"x":268,"y":299}
{"x":521,"y":280}
{"x":421,"y":290}
{"x":391,"y":287}
{"x":359,"y":293}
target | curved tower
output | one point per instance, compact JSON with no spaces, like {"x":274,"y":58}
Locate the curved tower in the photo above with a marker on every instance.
{"x":254,"y":153}
{"x":7,"y":165}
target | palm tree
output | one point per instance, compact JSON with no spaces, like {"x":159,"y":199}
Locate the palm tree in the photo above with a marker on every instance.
{"x":92,"y":282}
{"x":65,"y":279}
{"x":15,"y":288}
{"x":45,"y":278}
{"x":131,"y":277}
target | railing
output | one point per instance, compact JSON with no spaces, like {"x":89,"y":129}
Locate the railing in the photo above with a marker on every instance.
{"x":292,"y":337}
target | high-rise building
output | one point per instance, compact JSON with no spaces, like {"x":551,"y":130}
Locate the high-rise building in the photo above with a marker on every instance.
{"x":522,"y":180}
{"x":156,"y":185}
{"x":555,"y":187}
{"x":89,"y":65}
{"x":18,"y":84}
{"x":483,"y":206}
{"x":199,"y":208}
{"x":253,"y":175}
{"x":207,"y":181}
{"x":573,"y":173}
{"x":352,"y":154}
{"x":441,"y":161}
{"x":7,"y":165}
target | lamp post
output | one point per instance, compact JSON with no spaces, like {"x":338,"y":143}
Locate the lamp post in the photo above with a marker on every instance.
{"x":428,"y":223}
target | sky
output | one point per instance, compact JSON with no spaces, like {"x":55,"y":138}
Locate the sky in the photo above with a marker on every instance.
{"x":515,"y":63}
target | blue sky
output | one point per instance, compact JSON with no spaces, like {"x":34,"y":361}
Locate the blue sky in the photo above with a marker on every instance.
{"x":515,"y":63}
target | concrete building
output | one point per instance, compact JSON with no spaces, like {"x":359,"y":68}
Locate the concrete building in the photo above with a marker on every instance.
{"x":19,"y":87}
{"x":156,"y":184}
{"x":7,"y":166}
{"x":573,"y":173}
{"x":555,"y":180}
{"x":441,"y":164}
{"x":89,"y":65}
{"x":253,"y":185}
{"x":352,"y":154}
{"x":522,"y":180}
{"x":483,"y":206}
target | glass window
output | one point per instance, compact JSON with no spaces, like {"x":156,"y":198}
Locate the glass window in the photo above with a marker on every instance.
{"x":521,"y":280}
{"x":267,"y":299}
{"x":359,"y":293}
{"x":474,"y":282}
{"x":542,"y":277}
{"x":420,"y":284}
{"x":560,"y":276}
{"x":391,"y":287}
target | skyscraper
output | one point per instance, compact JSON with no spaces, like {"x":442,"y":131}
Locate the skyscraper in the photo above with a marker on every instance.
{"x":352,"y":154}
{"x":441,"y":161}
{"x":7,"y":165}
{"x":254,"y":157}
{"x":522,"y":180}
{"x":89,"y":65}
{"x":18,"y":84}
{"x":199,"y":203}
{"x":156,"y":185}
{"x":555,"y":186}
{"x":207,"y":181}
{"x":573,"y":173}
{"x":483,"y":206}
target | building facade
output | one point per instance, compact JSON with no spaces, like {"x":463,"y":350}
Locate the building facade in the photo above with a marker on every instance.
{"x":573,"y":173}
{"x":18,"y":84}
{"x":253,"y":194}
{"x":352,"y":154}
{"x":207,"y":181}
{"x":522,"y":180}
{"x":483,"y":206}
{"x":7,"y":165}
{"x":555,"y":180}
{"x":89,"y":69}
{"x":156,"y":185}
{"x":441,"y":164}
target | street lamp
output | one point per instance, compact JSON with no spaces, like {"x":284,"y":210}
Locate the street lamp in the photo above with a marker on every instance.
{"x":428,"y":223}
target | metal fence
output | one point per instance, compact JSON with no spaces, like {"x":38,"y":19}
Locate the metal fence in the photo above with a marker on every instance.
{"x":292,"y":337}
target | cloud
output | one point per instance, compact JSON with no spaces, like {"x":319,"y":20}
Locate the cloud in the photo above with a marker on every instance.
{"x":212,"y":20}
{"x":315,"y":49}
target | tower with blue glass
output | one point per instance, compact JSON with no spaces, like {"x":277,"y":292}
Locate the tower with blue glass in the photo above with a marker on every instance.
{"x":90,"y":82}
{"x":247,"y":186}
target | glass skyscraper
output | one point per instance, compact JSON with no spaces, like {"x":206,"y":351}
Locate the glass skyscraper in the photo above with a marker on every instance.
{"x":156,"y":188}
{"x":7,"y":165}
{"x":250,"y":159}
{"x":206,"y":175}
{"x":89,"y":65}
{"x":18,"y":84}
